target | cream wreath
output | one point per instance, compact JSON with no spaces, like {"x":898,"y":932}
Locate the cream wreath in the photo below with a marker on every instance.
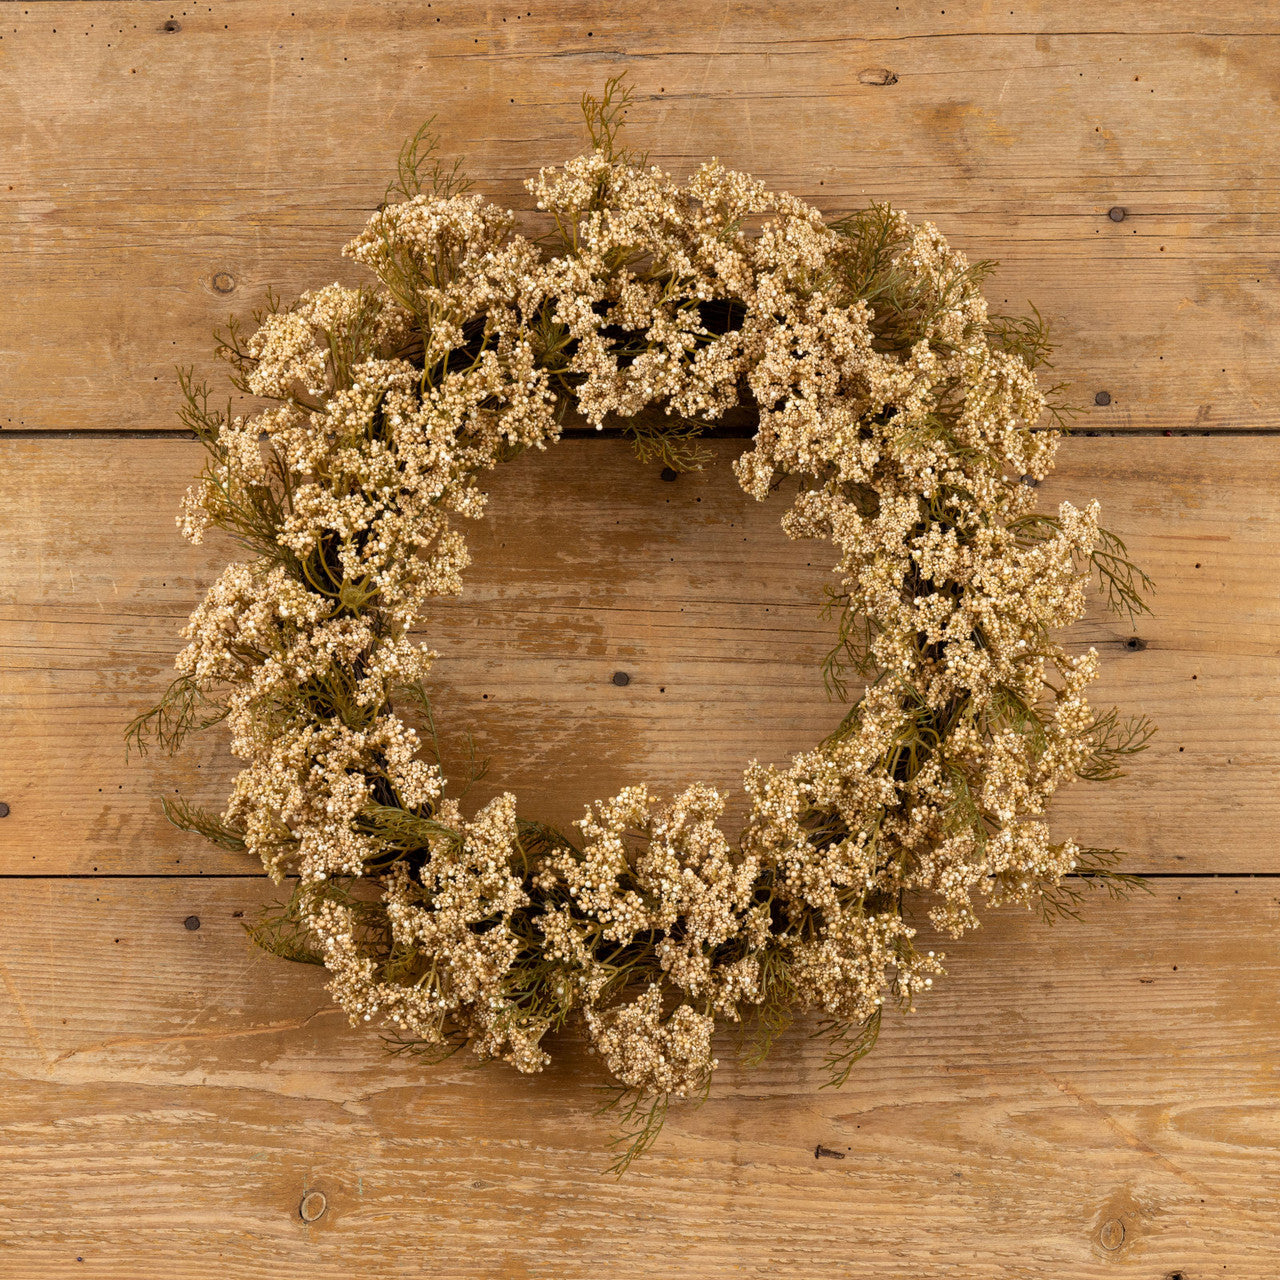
{"x":905,"y":420}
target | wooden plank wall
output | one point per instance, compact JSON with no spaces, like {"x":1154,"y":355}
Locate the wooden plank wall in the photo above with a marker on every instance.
{"x":1095,"y":1100}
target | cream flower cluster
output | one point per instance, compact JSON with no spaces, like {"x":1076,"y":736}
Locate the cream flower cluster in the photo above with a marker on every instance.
{"x":903,"y":429}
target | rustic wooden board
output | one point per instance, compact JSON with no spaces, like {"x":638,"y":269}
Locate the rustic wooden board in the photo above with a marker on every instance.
{"x":588,"y":564}
{"x":1082,"y":1101}
{"x":161,"y":170}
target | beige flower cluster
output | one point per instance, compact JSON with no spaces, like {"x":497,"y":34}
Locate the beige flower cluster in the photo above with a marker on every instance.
{"x":901,"y":419}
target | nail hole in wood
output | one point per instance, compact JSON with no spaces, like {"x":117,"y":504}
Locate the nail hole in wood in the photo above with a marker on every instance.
{"x":313,"y":1206}
{"x":1135,"y":643}
{"x":669,"y":473}
{"x":1111,"y":1237}
{"x":172,"y":25}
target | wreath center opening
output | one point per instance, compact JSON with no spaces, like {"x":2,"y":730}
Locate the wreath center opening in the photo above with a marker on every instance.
{"x":622,"y":622}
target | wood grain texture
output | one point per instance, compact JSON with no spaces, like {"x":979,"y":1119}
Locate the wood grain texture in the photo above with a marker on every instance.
{"x":587,"y":564}
{"x":1083,"y":1102}
{"x":162,"y":171}
{"x":1087,"y":1102}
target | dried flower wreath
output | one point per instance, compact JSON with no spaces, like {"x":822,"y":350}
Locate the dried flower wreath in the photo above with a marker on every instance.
{"x":902,"y":411}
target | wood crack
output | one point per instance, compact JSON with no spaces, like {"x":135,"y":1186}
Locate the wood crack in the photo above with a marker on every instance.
{"x":233,"y":1033}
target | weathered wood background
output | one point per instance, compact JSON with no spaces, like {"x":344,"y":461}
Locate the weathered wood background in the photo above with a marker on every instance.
{"x":1096,"y":1100}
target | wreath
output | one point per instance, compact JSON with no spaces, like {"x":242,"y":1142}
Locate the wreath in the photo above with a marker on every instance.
{"x":903,"y":418}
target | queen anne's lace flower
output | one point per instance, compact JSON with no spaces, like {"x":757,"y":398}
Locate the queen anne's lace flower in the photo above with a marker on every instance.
{"x":881,"y":386}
